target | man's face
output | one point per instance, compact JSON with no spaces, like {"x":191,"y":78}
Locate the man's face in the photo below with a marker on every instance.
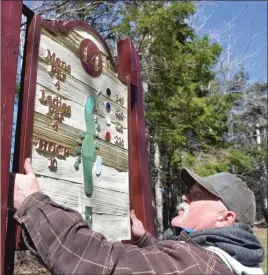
{"x":199,"y":210}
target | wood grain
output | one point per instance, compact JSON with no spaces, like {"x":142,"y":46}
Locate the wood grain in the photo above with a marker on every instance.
{"x":78,"y":91}
{"x":110,"y":199}
{"x":10,"y":40}
{"x":110,"y":177}
{"x":110,"y":208}
{"x":107,"y":79}
{"x":77,"y":120}
{"x":67,"y":137}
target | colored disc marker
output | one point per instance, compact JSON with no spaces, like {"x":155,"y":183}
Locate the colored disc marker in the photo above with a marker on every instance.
{"x":108,"y":106}
{"x":98,"y":165}
{"x":108,"y":121}
{"x":108,"y":136}
{"x":108,"y":91}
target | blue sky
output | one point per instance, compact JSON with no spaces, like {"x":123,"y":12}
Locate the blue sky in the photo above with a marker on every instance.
{"x":249,"y":21}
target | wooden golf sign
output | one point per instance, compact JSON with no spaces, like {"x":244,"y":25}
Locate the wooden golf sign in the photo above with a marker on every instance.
{"x":80,"y":130}
{"x":81,"y":121}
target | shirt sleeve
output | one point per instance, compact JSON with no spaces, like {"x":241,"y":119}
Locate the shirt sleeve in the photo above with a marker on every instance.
{"x":64,"y":241}
{"x":145,"y":240}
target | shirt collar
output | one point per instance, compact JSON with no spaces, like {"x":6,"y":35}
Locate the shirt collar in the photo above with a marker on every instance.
{"x":178,"y":230}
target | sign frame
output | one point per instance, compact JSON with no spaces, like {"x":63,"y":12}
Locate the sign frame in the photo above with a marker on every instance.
{"x":129,"y":73}
{"x":10,"y":38}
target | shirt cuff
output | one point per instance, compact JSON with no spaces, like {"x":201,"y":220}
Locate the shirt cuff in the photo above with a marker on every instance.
{"x":145,"y":239}
{"x":28,"y":206}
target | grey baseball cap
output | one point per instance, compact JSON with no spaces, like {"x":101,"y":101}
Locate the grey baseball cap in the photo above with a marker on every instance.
{"x":233,"y":192}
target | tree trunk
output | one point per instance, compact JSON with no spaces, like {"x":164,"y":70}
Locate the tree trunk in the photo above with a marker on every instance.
{"x":263,"y":177}
{"x":264,"y":187}
{"x":158,"y":194}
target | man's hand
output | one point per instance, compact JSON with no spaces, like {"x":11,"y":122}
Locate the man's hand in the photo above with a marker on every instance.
{"x":137,"y":226}
{"x":25,"y":185}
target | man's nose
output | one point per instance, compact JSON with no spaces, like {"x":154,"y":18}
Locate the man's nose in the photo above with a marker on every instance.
{"x":185,"y":199}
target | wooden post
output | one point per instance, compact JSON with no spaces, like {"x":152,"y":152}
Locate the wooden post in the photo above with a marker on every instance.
{"x":140,"y":188}
{"x":10,"y":18}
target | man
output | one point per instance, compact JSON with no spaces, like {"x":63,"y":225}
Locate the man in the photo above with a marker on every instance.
{"x":212,"y":233}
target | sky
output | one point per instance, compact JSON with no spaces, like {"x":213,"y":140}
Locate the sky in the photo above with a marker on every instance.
{"x":248,"y":29}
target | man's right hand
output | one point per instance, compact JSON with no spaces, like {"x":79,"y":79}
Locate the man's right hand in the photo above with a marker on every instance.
{"x":137,"y":226}
{"x":25,"y":185}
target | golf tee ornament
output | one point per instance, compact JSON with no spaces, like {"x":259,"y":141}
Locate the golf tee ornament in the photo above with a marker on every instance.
{"x":87,"y":149}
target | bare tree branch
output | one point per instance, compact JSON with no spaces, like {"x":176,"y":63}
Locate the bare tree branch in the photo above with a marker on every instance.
{"x":37,"y":8}
{"x":139,"y":48}
{"x":82,"y":8}
{"x":53,"y":7}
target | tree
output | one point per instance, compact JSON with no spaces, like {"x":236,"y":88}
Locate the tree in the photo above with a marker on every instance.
{"x":250,"y":137}
{"x":229,"y":36}
{"x":183,"y":116}
{"x":101,"y":15}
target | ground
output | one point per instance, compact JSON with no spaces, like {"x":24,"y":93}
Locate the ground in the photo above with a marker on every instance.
{"x":262,"y":235}
{"x":27,"y":264}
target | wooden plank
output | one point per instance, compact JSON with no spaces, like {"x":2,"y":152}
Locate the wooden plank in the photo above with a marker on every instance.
{"x":110,"y":157}
{"x":29,"y":90}
{"x":65,"y":184}
{"x":110,"y":178}
{"x":67,"y":137}
{"x":72,"y":42}
{"x":140,"y":188}
{"x":26,"y":105}
{"x":77,"y":120}
{"x":110,"y":200}
{"x":105,"y":80}
{"x":10,"y":29}
{"x":114,"y":228}
{"x":110,"y":215}
{"x":67,"y":193}
{"x":77,"y":91}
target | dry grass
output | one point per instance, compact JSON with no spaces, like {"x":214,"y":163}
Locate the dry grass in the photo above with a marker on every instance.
{"x":26,"y":264}
{"x":261,"y":233}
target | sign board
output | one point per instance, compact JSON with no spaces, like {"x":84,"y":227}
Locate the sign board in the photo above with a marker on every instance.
{"x":80,"y":130}
{"x":81,"y":125}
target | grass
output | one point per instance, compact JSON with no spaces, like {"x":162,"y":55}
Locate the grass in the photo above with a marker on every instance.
{"x":261,"y":233}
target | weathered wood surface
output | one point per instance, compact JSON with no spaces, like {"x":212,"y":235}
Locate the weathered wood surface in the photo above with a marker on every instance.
{"x":110,"y":199}
{"x":78,"y":91}
{"x":77,"y":120}
{"x":112,"y":155}
{"x":72,"y":42}
{"x":106,"y":80}
{"x":110,"y":208}
{"x":10,"y":40}
{"x":110,"y":178}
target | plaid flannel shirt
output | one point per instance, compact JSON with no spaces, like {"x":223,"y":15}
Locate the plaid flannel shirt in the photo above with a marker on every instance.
{"x":66,"y":245}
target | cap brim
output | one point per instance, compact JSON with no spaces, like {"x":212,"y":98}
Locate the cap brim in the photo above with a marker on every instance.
{"x":189,"y":178}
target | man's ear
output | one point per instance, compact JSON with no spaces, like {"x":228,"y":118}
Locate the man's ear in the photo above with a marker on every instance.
{"x":225,"y":218}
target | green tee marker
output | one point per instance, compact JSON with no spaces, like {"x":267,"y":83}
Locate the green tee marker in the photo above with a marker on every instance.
{"x":87,"y":150}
